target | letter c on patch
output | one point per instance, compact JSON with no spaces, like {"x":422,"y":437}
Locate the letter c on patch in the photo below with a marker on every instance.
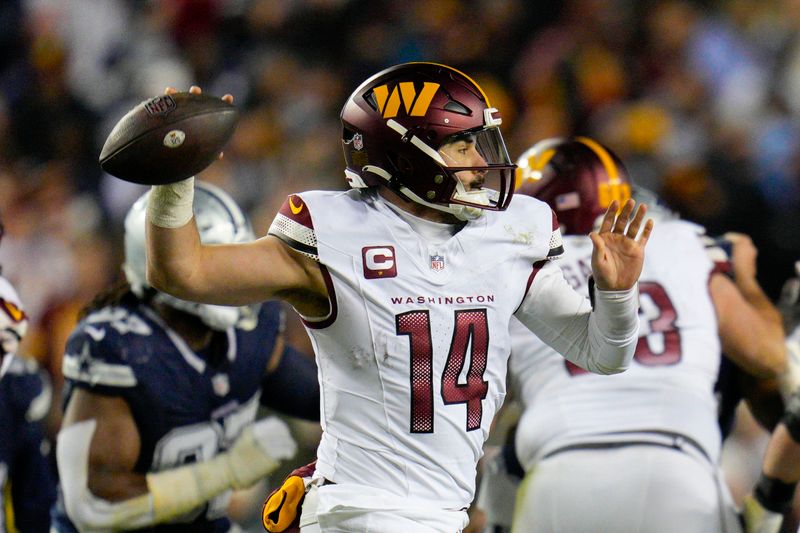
{"x":379,"y":262}
{"x":379,"y":258}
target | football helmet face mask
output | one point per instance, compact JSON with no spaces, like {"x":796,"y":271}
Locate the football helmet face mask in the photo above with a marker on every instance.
{"x":428,"y":132}
{"x":219,"y":221}
{"x":578,"y":178}
{"x":13,"y":320}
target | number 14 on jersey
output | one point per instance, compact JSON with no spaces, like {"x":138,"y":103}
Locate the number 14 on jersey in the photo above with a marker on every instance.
{"x":470,"y":331}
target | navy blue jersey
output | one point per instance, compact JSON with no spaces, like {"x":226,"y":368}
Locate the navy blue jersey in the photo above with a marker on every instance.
{"x":27,"y":484}
{"x":186,"y":407}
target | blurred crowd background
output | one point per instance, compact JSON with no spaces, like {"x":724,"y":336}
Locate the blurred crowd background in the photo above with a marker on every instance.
{"x":700,"y":99}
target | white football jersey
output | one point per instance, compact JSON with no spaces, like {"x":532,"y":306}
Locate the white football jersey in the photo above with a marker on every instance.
{"x":670,"y":384}
{"x":413,"y":357}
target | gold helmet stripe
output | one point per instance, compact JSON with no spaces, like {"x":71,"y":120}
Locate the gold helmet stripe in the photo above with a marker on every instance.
{"x":605,"y":158}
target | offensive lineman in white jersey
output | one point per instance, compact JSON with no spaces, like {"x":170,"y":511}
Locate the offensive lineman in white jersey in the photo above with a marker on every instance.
{"x":407,"y":284}
{"x":649,"y":437}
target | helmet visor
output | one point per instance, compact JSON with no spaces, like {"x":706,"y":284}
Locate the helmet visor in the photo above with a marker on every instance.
{"x":479,"y":162}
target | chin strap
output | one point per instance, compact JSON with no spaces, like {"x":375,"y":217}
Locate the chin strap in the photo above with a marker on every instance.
{"x":461,"y":212}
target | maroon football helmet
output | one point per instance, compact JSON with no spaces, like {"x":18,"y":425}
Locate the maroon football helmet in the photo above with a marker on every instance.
{"x":396,"y":123}
{"x":577,"y":177}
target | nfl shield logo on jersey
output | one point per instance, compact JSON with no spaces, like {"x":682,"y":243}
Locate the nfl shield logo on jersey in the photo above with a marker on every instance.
{"x":220,"y":384}
{"x":358,"y":141}
{"x":437,"y":262}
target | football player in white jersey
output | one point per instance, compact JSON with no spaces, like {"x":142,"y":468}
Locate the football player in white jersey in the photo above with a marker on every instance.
{"x":638,"y":451}
{"x":407,"y":284}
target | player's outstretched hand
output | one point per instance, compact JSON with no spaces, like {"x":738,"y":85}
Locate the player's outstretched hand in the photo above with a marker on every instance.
{"x":618,"y":254}
{"x":743,"y":256}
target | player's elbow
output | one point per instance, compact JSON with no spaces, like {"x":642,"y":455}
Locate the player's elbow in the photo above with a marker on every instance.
{"x":170,"y":278}
{"x":774,"y":360}
{"x":89,"y":514}
{"x":764,"y":359}
{"x":612,"y":358}
{"x":173,"y":261}
{"x":160,"y":277}
{"x":80,"y":515}
{"x":607,"y":370}
{"x":156,"y":277}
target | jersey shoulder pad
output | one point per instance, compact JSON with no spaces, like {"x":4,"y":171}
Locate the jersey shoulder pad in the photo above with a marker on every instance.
{"x":294,"y":226}
{"x":719,"y":251}
{"x":540,"y":218}
{"x":97,"y":351}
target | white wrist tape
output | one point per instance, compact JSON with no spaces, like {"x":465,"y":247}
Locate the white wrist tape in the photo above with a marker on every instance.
{"x":179,"y":490}
{"x":616,"y":314}
{"x":170,"y":206}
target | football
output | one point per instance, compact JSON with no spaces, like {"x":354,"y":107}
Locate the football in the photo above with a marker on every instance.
{"x":168,"y":138}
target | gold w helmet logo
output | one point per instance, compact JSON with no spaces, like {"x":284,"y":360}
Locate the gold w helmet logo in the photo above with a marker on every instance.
{"x":416,"y":105}
{"x":530,"y":168}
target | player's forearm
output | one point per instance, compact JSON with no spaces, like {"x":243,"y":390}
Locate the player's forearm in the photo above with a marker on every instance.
{"x":172,"y":258}
{"x":613,"y":331}
{"x":115,"y":485}
{"x":757,"y":348}
{"x":770,"y":329}
{"x":755,"y":296}
{"x":766,"y":340}
{"x":173,"y":242}
{"x":169,"y":493}
{"x":780,"y":458}
{"x":601,"y":340}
